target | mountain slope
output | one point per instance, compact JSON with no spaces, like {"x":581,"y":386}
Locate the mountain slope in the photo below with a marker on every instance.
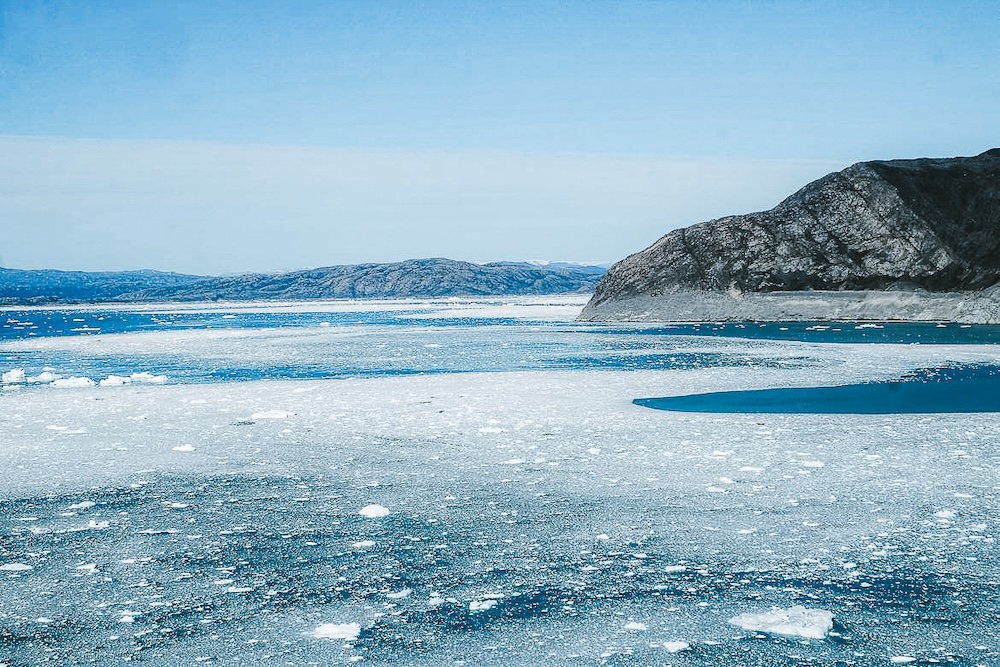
{"x":412,"y":278}
{"x":897,"y":226}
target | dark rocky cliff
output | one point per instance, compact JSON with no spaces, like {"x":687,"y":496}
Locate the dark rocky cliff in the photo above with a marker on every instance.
{"x":900,"y":225}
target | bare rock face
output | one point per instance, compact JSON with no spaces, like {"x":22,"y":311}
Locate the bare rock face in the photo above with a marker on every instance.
{"x":910,"y":226}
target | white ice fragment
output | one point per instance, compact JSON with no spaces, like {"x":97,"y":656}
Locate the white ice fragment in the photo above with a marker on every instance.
{"x":87,"y":568}
{"x":813,"y":464}
{"x":796,"y":621}
{"x":602,"y":537}
{"x":363,"y":544}
{"x":674,"y":647}
{"x":348,"y":631}
{"x":147,"y":378}
{"x":373,"y":511}
{"x":482,"y":605}
{"x":15,"y":376}
{"x":44,"y":377}
{"x":715,"y":489}
{"x":184,"y":448}
{"x":513,"y":462}
{"x":636,"y":626}
{"x":72,"y":383}
{"x":399,"y":595}
{"x":675,"y":568}
{"x":115,"y":381}
{"x":902,"y":659}
{"x":271,"y":414}
{"x":86,"y":504}
{"x":126,"y":618}
{"x":15,"y":567}
{"x":594,"y":451}
{"x":944,"y":514}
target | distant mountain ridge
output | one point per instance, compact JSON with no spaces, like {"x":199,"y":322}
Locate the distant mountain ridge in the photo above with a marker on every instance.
{"x":436,"y":277}
{"x":899,"y":239}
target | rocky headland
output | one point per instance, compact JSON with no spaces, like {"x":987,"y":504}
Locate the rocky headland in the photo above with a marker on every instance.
{"x":883,"y":240}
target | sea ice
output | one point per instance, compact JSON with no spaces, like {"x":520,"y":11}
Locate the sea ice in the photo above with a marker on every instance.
{"x":271,"y":414}
{"x":674,"y":647}
{"x":183,"y":448}
{"x":15,"y":376}
{"x":796,"y":621}
{"x":348,"y":631}
{"x":72,"y":383}
{"x":373,"y":511}
{"x":15,"y":567}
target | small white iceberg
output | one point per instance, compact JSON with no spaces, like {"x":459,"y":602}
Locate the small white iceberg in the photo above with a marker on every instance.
{"x":374,"y":511}
{"x":271,"y":414}
{"x":15,"y":376}
{"x":72,"y":383}
{"x":795,"y":621}
{"x":674,"y":647}
{"x":348,"y":631}
{"x":15,"y":567}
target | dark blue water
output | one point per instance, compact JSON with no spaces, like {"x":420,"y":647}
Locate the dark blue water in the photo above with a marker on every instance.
{"x":940,"y":390}
{"x":18,"y":324}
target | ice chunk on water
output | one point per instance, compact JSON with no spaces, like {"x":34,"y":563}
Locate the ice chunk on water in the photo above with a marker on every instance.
{"x":373,"y":511}
{"x":15,"y":376}
{"x":796,"y":621}
{"x":86,"y":504}
{"x":349,"y":631}
{"x":115,"y":381}
{"x":15,"y":567}
{"x":482,"y":605}
{"x":183,"y":448}
{"x":674,"y":647}
{"x":271,"y":414}
{"x":147,"y":378}
{"x":73,"y":383}
{"x":638,"y":627}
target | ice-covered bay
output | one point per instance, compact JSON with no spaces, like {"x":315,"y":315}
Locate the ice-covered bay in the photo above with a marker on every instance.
{"x":497,"y":518}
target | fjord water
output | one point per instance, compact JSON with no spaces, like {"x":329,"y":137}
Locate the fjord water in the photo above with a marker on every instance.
{"x":475,"y":486}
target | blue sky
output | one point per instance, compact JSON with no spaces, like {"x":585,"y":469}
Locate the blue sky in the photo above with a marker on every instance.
{"x":227,"y":136}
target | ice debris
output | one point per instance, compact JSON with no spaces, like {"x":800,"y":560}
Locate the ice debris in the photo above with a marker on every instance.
{"x":348,"y":631}
{"x":373,"y":511}
{"x":796,"y":621}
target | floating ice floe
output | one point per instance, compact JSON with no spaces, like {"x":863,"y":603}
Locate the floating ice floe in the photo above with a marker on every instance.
{"x":115,"y":381}
{"x":635,"y":626}
{"x":147,"y":378}
{"x":15,"y":376}
{"x":44,"y":377}
{"x":902,"y":659}
{"x":72,"y":383}
{"x":795,"y":621}
{"x":482,"y":605}
{"x":374,"y":511}
{"x":674,"y":647}
{"x":86,"y":504}
{"x":271,"y":414}
{"x":15,"y":567}
{"x":183,"y":448}
{"x":349,"y":631}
